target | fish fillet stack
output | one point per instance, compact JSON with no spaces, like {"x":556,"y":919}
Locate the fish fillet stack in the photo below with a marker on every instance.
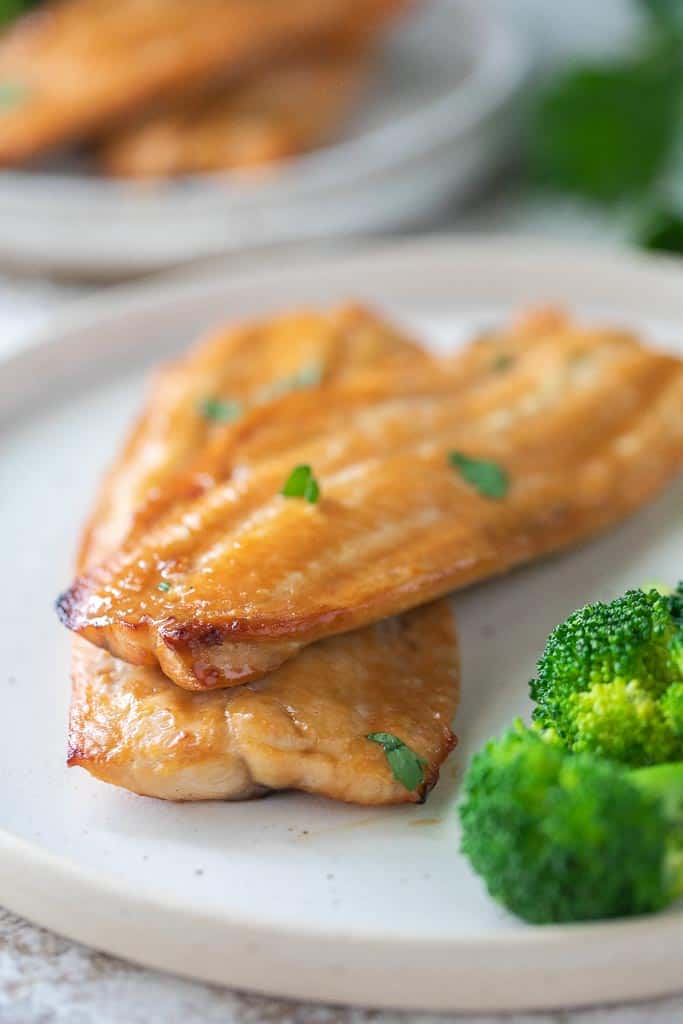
{"x":158,"y":88}
{"x":232,"y":640}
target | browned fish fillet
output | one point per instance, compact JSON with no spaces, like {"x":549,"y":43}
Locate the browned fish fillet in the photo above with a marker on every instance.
{"x":586,"y":426}
{"x":241,"y":368}
{"x":305,"y":726}
{"x":196,"y":401}
{"x":290,"y":109}
{"x":74,"y":66}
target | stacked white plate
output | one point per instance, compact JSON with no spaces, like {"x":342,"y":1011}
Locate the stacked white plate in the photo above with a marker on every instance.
{"x":437,"y":117}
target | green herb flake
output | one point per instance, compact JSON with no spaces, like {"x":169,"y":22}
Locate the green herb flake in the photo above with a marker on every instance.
{"x":164,"y":587}
{"x":11,"y":9}
{"x":502,"y":362}
{"x":407,"y":767}
{"x":218,"y":410}
{"x":302,"y":484}
{"x":307,"y":377}
{"x":487,"y":477}
{"x":667,"y":15}
{"x":12,"y":94}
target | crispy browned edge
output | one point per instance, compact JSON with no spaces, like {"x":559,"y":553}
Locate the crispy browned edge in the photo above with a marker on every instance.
{"x":99,"y":765}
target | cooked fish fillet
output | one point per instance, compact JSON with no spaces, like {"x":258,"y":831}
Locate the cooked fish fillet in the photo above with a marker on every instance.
{"x":77,"y":65}
{"x":290,"y":109}
{"x":585,"y":425}
{"x":303,"y":727}
{"x":245,"y":367}
{"x":233,"y":369}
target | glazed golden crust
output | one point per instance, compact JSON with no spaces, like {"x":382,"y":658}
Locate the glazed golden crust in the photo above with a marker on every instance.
{"x":247,"y":365}
{"x":81,"y":64}
{"x":288,"y":110}
{"x":588,"y":425}
{"x":303,"y":727}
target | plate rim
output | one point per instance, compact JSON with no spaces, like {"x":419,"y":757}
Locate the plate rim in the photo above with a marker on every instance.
{"x":187,"y":283}
{"x":590,"y":260}
{"x":380,"y":987}
{"x":25,"y":858}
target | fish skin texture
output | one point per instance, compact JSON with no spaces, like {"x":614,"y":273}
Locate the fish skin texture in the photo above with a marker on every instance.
{"x":82,"y":65}
{"x":588,"y":425}
{"x":305,"y":726}
{"x":288,"y":110}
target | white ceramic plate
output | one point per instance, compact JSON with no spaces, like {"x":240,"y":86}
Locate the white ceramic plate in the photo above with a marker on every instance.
{"x":293,"y":895}
{"x":436,"y":116}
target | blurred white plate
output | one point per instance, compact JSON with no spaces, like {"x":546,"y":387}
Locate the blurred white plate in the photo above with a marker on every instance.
{"x":437,"y":117}
{"x":296,"y":896}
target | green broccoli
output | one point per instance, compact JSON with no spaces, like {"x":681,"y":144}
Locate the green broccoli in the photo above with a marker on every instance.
{"x":676,"y":608}
{"x":570,"y":837}
{"x":610,"y":680}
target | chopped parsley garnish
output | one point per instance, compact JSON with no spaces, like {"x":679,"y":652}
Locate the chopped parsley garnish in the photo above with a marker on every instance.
{"x":164,"y":586}
{"x":219,"y":410}
{"x":12,"y":94}
{"x":487,"y":477}
{"x":502,"y":362}
{"x":10,"y":9}
{"x":302,"y":484}
{"x":307,"y":377}
{"x":406,"y":766}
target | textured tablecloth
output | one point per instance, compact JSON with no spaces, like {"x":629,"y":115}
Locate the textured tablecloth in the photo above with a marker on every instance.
{"x":47,"y":980}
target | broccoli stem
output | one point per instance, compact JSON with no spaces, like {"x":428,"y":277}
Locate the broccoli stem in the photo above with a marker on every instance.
{"x":675,"y":869}
{"x":665,"y":782}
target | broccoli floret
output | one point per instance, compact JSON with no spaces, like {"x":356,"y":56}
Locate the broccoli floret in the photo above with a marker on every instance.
{"x":675,"y":601}
{"x":608,"y":679}
{"x":571,"y":837}
{"x":672,"y":706}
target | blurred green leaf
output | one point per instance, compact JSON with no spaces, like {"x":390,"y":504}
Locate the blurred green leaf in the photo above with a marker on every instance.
{"x":604,"y":131}
{"x":662,"y":230}
{"x":667,"y":14}
{"x":10,"y":9}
